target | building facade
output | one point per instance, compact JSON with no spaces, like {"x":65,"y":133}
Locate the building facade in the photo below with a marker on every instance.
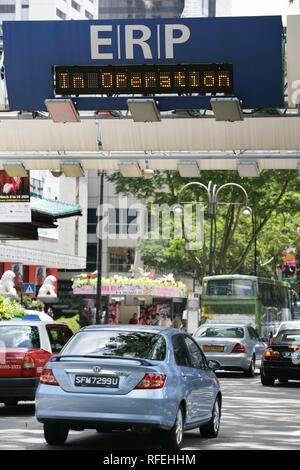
{"x":60,"y":251}
{"x":47,"y":10}
{"x":123,"y":9}
{"x":118,"y":249}
{"x":223,"y":8}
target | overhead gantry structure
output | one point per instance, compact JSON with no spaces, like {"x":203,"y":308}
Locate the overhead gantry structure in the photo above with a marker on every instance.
{"x":214,"y":115}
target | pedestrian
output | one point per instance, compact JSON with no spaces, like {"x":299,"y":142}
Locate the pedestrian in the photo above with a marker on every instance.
{"x":165,"y":321}
{"x":134,"y":319}
{"x":177,"y":323}
{"x":50,"y":312}
{"x":93,"y":315}
{"x":86,"y":312}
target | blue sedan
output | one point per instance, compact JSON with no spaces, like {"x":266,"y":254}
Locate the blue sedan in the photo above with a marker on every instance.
{"x":130,"y":377}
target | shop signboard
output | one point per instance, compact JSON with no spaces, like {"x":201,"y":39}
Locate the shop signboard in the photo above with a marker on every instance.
{"x":14,"y":199}
{"x":132,"y":290}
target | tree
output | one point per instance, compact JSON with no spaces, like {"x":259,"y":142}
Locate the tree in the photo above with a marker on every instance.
{"x":274,"y":197}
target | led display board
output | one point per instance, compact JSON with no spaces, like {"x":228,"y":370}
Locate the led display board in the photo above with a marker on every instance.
{"x":155,"y":79}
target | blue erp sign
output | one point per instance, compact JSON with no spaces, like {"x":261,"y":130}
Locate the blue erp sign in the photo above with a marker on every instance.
{"x":183,"y":62}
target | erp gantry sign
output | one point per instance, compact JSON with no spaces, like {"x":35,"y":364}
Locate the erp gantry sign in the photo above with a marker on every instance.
{"x":182,"y":62}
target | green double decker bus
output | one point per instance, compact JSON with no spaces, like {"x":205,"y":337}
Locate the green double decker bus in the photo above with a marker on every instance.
{"x":237,"y":298}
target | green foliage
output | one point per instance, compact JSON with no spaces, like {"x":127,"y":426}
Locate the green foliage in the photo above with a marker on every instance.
{"x":274,"y":198}
{"x":31,"y":304}
{"x":10,"y":308}
{"x":73,"y":322}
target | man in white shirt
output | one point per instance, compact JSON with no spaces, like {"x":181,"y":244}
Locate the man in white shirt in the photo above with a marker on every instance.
{"x":165,"y":321}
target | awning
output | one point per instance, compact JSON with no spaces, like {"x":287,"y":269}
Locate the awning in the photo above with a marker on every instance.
{"x":52,"y":208}
{"x":44,"y":214}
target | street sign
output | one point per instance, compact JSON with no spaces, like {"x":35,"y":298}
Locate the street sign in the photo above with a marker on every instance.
{"x":29,"y":289}
{"x":192,"y":58}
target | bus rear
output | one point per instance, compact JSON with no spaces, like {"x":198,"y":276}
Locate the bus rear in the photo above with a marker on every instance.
{"x":230,"y":299}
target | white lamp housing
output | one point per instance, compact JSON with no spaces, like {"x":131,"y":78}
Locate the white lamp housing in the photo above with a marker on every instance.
{"x":188,"y":169}
{"x":227,"y":109}
{"x":72,"y":169}
{"x":148,"y":174}
{"x":130,"y":170}
{"x":144,"y":110}
{"x":62,"y":110}
{"x":248,"y":169}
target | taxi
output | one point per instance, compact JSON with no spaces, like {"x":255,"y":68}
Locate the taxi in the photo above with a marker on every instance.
{"x":26,"y":345}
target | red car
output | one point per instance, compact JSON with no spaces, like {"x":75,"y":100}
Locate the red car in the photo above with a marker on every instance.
{"x":25,"y":347}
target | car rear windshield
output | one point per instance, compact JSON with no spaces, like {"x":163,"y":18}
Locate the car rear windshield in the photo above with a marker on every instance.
{"x":222,"y":332}
{"x":288,"y":336}
{"x":117,"y":343}
{"x":16,"y":336}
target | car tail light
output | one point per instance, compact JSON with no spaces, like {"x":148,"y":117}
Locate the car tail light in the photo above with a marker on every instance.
{"x":239,"y":348}
{"x":28,"y":367}
{"x":47,"y":377}
{"x":270,"y":354}
{"x":152,"y":381}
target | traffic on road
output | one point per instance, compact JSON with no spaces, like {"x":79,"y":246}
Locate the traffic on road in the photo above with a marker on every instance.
{"x":253,"y":418}
{"x":141,"y":379}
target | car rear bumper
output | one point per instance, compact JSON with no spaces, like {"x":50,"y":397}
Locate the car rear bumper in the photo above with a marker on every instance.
{"x":22,"y":388}
{"x":230,"y":361}
{"x":138,"y":408}
{"x":284,"y":372}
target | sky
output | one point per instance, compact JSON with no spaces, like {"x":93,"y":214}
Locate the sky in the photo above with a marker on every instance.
{"x":264,"y":7}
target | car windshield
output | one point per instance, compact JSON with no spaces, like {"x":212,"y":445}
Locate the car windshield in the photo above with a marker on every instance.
{"x":288,"y":336}
{"x":15,"y":336}
{"x":117,"y":343}
{"x":221,"y":332}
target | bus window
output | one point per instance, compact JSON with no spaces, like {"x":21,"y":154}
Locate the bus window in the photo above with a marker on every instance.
{"x":230,"y":287}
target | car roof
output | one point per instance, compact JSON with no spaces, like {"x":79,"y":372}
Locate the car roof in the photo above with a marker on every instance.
{"x":221,"y":325}
{"x":141,"y":328}
{"x":28,"y":322}
{"x":289,"y":323}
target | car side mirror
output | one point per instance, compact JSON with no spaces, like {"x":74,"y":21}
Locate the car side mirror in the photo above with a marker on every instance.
{"x":214,"y":365}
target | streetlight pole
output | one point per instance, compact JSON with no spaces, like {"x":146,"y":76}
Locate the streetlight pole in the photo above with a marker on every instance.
{"x":254,"y":224}
{"x":213,"y":192}
{"x":99,"y":251}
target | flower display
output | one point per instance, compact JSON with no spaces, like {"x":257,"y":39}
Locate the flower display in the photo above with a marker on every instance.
{"x":144,"y":284}
{"x":91,"y":279}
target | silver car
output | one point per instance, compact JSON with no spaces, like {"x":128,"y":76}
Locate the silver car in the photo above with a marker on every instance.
{"x":236,"y":347}
{"x":286,"y":325}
